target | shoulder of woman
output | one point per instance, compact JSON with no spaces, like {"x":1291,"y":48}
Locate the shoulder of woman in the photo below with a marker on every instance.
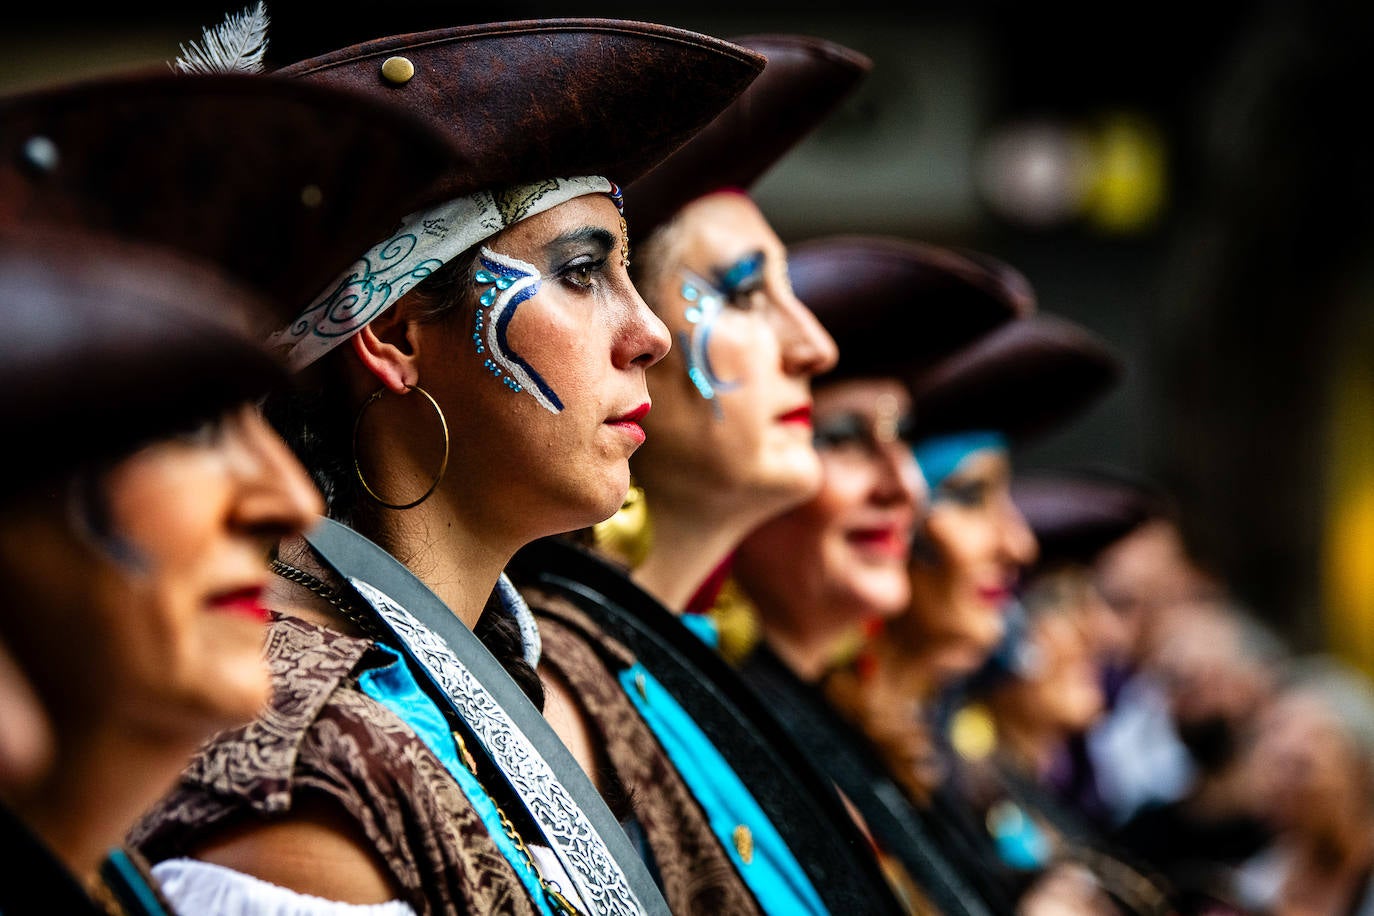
{"x":317,"y":850}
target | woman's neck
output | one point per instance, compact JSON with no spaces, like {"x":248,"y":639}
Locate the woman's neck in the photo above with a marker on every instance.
{"x":103,"y":779}
{"x":688,"y":545}
{"x":444,"y":550}
{"x":809,"y":651}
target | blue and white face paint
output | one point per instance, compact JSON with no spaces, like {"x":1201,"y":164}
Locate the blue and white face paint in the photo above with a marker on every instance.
{"x":512,"y":281}
{"x":425,"y":241}
{"x":704,"y":305}
{"x":705,"y":302}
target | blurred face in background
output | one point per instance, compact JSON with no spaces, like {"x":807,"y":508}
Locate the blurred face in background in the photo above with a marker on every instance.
{"x":155,"y":622}
{"x":1213,"y":683}
{"x":841,"y":558}
{"x":1306,"y":773}
{"x":732,"y":415}
{"x":1143,"y":576}
{"x":966,"y":564}
{"x":1058,"y":691}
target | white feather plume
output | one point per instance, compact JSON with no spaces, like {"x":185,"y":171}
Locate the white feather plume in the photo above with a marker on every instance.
{"x":236,"y":45}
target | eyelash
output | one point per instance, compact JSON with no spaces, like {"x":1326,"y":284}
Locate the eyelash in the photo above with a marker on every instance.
{"x":970,"y":495}
{"x":590,"y":268}
{"x":855,"y":431}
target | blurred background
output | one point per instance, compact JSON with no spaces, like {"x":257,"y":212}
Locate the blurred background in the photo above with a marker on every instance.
{"x":1192,"y":181}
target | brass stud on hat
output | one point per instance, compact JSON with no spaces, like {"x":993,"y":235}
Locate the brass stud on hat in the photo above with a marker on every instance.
{"x":312,"y":196}
{"x":398,"y":70}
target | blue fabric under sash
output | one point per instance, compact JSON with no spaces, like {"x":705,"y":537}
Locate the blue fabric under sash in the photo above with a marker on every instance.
{"x":771,"y":871}
{"x":704,"y":627}
{"x":395,"y":688}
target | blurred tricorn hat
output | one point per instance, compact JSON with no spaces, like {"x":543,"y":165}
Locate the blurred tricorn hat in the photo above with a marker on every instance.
{"x":805,"y":80}
{"x":280,"y":184}
{"x":1075,"y":514}
{"x":526,"y":101}
{"x":110,"y":344}
{"x":1024,"y":379}
{"x":896,"y":306}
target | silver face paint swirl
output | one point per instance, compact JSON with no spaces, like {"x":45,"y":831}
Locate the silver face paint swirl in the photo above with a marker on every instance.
{"x":704,"y":305}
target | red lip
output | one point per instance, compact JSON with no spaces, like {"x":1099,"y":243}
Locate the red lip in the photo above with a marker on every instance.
{"x":995,"y":595}
{"x":629,"y":423}
{"x":633,"y":416}
{"x":244,"y":601}
{"x":801,"y":415}
{"x":887,"y":540}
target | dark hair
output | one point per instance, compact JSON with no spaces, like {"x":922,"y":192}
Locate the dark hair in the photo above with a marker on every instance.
{"x":318,"y":425}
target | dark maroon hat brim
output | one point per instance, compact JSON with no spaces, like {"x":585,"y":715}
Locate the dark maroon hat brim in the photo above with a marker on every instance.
{"x":108,"y":345}
{"x":1026,"y":378}
{"x":1076,"y":515}
{"x":895,"y":306}
{"x":804,"y":81}
{"x":531,"y":100}
{"x":280,"y":184}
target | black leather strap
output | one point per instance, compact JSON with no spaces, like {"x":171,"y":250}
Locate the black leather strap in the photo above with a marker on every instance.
{"x":849,"y":760}
{"x":353,"y":556}
{"x":800,"y":801}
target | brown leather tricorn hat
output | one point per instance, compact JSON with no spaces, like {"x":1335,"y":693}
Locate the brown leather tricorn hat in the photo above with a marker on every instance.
{"x":805,"y":80}
{"x":896,"y":306}
{"x":1025,"y":378}
{"x":279,"y":184}
{"x":525,"y":101}
{"x":1075,"y":514}
{"x":108,"y":344}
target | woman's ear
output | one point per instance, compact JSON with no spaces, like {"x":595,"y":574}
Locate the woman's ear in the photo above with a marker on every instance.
{"x":386,"y":346}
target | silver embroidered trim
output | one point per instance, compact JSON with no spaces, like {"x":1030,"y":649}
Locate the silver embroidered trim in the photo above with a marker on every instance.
{"x":600,"y":882}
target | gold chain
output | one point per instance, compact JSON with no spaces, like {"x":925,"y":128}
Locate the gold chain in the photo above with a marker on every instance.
{"x":561,"y":904}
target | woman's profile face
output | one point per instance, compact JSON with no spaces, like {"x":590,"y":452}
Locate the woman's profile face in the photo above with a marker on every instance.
{"x":969,"y":556}
{"x":544,"y":388}
{"x":733,"y":410}
{"x":158,"y":625}
{"x":843,"y":553}
{"x":1305,"y":768}
{"x":1060,"y":693}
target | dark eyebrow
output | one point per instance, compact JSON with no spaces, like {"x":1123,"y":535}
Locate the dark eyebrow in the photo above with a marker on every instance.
{"x":565,"y":247}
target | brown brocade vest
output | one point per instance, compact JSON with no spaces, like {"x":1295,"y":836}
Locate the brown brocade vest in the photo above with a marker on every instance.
{"x":697,"y":875}
{"x":323,"y":737}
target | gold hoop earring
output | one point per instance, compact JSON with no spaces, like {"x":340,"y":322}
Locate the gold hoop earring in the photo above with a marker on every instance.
{"x":358,"y":468}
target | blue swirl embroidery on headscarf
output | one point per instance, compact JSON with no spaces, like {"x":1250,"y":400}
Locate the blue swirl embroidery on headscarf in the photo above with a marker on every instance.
{"x":512,"y":282}
{"x":940,"y":456}
{"x":365,"y":292}
{"x":704,"y":305}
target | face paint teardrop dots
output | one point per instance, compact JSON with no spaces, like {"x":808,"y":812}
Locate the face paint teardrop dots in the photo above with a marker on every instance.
{"x":512,"y":281}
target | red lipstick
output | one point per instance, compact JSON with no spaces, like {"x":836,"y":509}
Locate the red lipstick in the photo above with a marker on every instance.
{"x":629,"y":422}
{"x":244,"y":601}
{"x":800,"y":415}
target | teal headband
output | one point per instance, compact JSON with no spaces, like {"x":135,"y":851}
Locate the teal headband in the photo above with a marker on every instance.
{"x":940,"y":456}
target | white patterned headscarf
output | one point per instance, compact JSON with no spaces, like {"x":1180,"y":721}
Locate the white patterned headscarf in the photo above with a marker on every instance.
{"x":425,"y":242}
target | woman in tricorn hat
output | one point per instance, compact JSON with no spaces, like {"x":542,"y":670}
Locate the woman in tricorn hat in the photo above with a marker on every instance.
{"x":809,"y":580}
{"x":1018,"y":381}
{"x":475,"y":381}
{"x":1044,"y":686}
{"x":137,"y":517}
{"x":729,"y":445}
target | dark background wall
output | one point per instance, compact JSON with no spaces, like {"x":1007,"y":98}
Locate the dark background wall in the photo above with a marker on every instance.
{"x":1228,"y":288}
